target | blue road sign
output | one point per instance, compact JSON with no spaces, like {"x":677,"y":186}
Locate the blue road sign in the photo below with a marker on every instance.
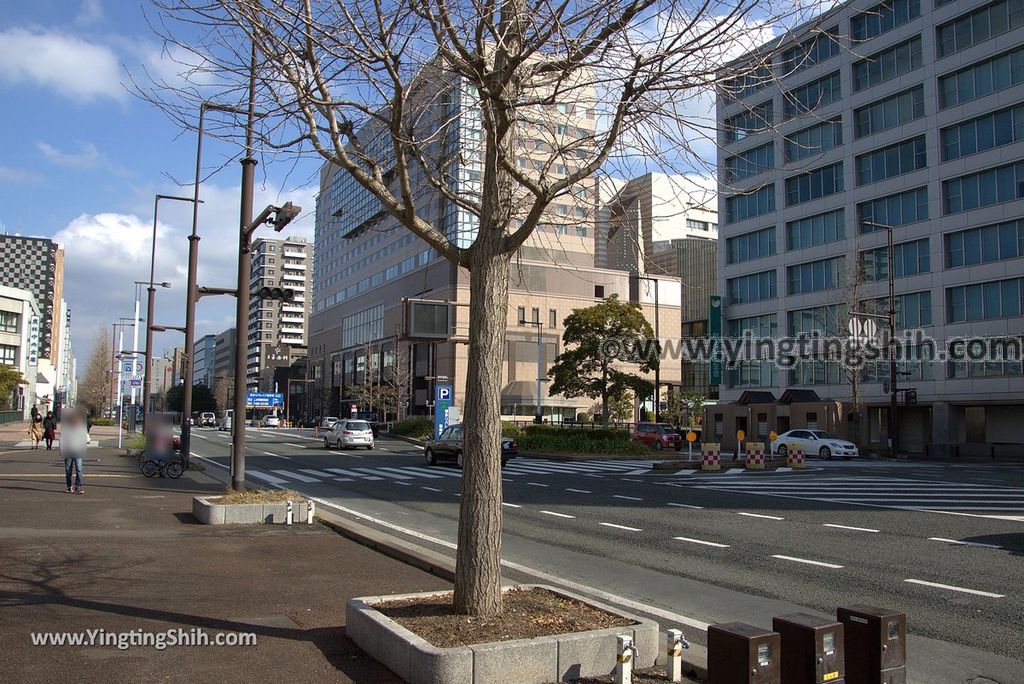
{"x":136,"y":382}
{"x":263,"y":399}
{"x":442,"y":402}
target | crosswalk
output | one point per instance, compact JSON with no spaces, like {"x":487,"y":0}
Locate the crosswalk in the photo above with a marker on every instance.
{"x":882,"y":492}
{"x":522,"y":468}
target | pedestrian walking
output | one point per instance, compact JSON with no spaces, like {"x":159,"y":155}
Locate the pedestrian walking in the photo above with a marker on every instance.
{"x":49,"y":430}
{"x":74,"y":442}
{"x":35,"y":429}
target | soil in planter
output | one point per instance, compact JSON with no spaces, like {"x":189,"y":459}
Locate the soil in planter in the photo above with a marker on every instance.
{"x":251,"y":496}
{"x":527,"y":613}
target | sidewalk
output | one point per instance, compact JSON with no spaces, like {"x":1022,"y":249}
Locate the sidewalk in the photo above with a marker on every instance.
{"x":127,"y":555}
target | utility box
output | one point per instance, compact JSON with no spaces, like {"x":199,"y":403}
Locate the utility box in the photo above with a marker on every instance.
{"x":739,"y":653}
{"x":812,"y":649}
{"x":876,"y":645}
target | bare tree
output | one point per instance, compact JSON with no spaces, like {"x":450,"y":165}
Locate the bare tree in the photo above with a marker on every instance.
{"x":376,"y":89}
{"x":94,"y":389}
{"x":221,"y":392}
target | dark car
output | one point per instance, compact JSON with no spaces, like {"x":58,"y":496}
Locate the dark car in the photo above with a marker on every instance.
{"x":448,"y":447}
{"x":658,"y":435}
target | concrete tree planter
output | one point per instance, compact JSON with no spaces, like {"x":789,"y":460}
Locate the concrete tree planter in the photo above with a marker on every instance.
{"x":540,"y":660}
{"x":246,"y":514}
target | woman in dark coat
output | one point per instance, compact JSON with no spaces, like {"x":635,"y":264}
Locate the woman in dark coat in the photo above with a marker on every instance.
{"x":49,"y":430}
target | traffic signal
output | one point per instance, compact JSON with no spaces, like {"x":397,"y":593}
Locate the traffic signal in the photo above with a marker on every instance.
{"x":283,"y":294}
{"x":910,"y":398}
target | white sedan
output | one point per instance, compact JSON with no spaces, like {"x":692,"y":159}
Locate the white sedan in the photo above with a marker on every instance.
{"x":271,"y":421}
{"x":814,"y":443}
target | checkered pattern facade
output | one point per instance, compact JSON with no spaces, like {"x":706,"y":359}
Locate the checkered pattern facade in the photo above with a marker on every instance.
{"x":30,"y":263}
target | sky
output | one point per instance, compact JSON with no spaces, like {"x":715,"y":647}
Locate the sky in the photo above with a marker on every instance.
{"x":83,"y":158}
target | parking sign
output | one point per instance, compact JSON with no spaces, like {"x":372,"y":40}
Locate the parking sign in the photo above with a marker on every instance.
{"x":442,"y":402}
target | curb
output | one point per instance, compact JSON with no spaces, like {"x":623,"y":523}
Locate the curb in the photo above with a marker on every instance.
{"x":407,"y":440}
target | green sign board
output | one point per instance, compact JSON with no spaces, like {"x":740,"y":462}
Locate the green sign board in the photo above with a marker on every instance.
{"x":715,"y":333}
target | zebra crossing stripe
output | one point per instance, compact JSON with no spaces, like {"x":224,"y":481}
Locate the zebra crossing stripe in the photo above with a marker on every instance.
{"x":351,"y":473}
{"x":315,"y":473}
{"x":295,"y":476}
{"x":380,"y":471}
{"x":413,"y":471}
{"x":266,"y":477}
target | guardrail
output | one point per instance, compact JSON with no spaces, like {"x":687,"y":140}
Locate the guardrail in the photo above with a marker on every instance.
{"x":10,"y":417}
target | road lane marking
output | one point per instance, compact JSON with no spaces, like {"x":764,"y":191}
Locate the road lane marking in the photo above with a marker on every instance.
{"x":578,"y":491}
{"x":510,"y":505}
{"x":372,"y":472}
{"x":559,"y":515}
{"x":735,"y":471}
{"x":703,"y":542}
{"x":404,"y":484}
{"x":431,"y":489}
{"x":266,"y":477}
{"x":421,"y":472}
{"x":807,"y":561}
{"x":630,"y":479}
{"x":621,"y":527}
{"x":626,"y":498}
{"x":315,"y":473}
{"x":295,"y":476}
{"x":952,"y":588}
{"x":759,"y":515}
{"x":536,"y":484}
{"x":297,"y":446}
{"x":848,"y":527}
{"x":679,"y":505}
{"x":965,"y":543}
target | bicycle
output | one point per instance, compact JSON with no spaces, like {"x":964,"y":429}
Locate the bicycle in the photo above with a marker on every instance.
{"x":173,"y":467}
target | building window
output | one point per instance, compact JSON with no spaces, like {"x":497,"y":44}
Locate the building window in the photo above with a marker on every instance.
{"x":894,"y":210}
{"x":748,"y":122}
{"x":981,"y":79}
{"x":814,"y":139}
{"x":1010,"y":364}
{"x":824,"y":274}
{"x":751,"y":204}
{"x":812,"y":95}
{"x":753,"y":79}
{"x":913,"y":309}
{"x":887,"y":64}
{"x":826,"y":320}
{"x":816,"y":230}
{"x":362,"y":327}
{"x":894,"y":160}
{"x":751,"y":288}
{"x":982,"y":189}
{"x":521,"y":315}
{"x":753,"y":245}
{"x":812,"y":185}
{"x":978,"y":25}
{"x":985,"y":244}
{"x":719,"y":426}
{"x":807,"y":53}
{"x":599,"y":292}
{"x":889,"y":112}
{"x":750,"y":162}
{"x":882,"y":18}
{"x":986,"y":132}
{"x":984,"y":301}
{"x":9,"y":321}
{"x":753,"y":373}
{"x":911,"y":258}
{"x":8,"y":355}
{"x":552,"y":318}
{"x":536,"y":315}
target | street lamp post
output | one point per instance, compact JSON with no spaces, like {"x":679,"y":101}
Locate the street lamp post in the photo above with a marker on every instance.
{"x":538,"y":414}
{"x":657,"y":335}
{"x":147,"y":381}
{"x":893,"y":404}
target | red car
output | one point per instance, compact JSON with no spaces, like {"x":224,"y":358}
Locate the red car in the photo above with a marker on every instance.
{"x":658,"y":435}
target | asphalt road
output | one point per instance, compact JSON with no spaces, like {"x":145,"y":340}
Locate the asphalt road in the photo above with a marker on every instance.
{"x":942,"y":542}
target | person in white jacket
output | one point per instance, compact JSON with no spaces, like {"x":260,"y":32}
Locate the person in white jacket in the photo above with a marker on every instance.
{"x":74,"y":442}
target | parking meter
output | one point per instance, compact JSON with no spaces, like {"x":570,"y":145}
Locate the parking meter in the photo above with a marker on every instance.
{"x":812,"y":649}
{"x":876,"y":644}
{"x":739,"y":653}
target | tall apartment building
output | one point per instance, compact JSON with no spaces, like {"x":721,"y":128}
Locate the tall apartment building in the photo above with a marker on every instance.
{"x":643,"y":218}
{"x":278,"y":331}
{"x":367,"y":264}
{"x":202,"y":360}
{"x":224,"y":357}
{"x":903,"y":113}
{"x":37,"y":265}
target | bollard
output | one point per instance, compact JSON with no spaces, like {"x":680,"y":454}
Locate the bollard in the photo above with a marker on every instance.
{"x":624,"y":665}
{"x":309,"y":512}
{"x":288,"y":518}
{"x":755,"y":456}
{"x":710,"y":456}
{"x":674,"y":665}
{"x":795,"y":458}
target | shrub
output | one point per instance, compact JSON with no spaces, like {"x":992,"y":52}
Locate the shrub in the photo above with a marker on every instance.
{"x":102,"y":422}
{"x":510,"y":429}
{"x":136,"y":442}
{"x":418,"y":427}
{"x":550,"y":439}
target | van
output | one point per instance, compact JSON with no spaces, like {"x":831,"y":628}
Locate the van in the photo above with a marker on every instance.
{"x":225,"y":420}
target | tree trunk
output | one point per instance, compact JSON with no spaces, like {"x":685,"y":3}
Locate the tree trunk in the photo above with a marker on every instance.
{"x":604,"y":397}
{"x":478,"y":559}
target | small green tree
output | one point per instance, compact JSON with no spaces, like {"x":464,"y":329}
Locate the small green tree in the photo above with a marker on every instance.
{"x":10,"y":378}
{"x":603,"y":340}
{"x":202,"y":399}
{"x":174,"y":400}
{"x":693,"y":402}
{"x":620,"y":408}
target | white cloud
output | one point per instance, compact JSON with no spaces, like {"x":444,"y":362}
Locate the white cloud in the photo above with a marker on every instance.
{"x":106,"y":252}
{"x":72,"y":66}
{"x":90,"y":12}
{"x":13,"y":175}
{"x":87,"y":157}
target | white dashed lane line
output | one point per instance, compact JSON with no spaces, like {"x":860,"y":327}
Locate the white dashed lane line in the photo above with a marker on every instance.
{"x":807,"y":561}
{"x":848,"y":527}
{"x":621,"y":527}
{"x":559,"y":515}
{"x":701,"y":542}
{"x":510,"y":505}
{"x":578,"y":491}
{"x":431,"y":489}
{"x":759,"y":515}
{"x":950,"y":587}
{"x":965,"y":543}
{"x":536,"y":484}
{"x":626,"y":498}
{"x":679,"y":505}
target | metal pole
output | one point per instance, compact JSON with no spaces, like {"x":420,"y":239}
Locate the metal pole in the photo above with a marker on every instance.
{"x":893,"y":424}
{"x":242,"y":300}
{"x":539,"y":414}
{"x":120,"y":393}
{"x":190,"y":300}
{"x":657,"y":371}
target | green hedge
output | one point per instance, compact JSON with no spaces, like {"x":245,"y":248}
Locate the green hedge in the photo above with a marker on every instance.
{"x":418,"y":427}
{"x":102,"y":422}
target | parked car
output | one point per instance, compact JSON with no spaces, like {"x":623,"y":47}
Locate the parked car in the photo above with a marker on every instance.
{"x":271,"y":421}
{"x":449,"y":447}
{"x":658,"y":435}
{"x":814,"y":443}
{"x":225,"y":420}
{"x":208,"y":419}
{"x":349,"y":434}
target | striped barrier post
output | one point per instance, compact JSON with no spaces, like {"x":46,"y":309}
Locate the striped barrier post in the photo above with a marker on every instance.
{"x":710,"y":456}
{"x":755,"y":456}
{"x":795,"y":458}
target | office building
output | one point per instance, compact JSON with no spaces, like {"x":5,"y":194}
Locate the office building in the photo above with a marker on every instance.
{"x":19,"y":346}
{"x":37,"y":265}
{"x":202,"y":360}
{"x":278,"y":330}
{"x":224,"y":356}
{"x":906,"y":114}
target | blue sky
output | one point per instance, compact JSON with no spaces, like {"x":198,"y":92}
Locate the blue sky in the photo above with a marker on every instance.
{"x":83,"y":157}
